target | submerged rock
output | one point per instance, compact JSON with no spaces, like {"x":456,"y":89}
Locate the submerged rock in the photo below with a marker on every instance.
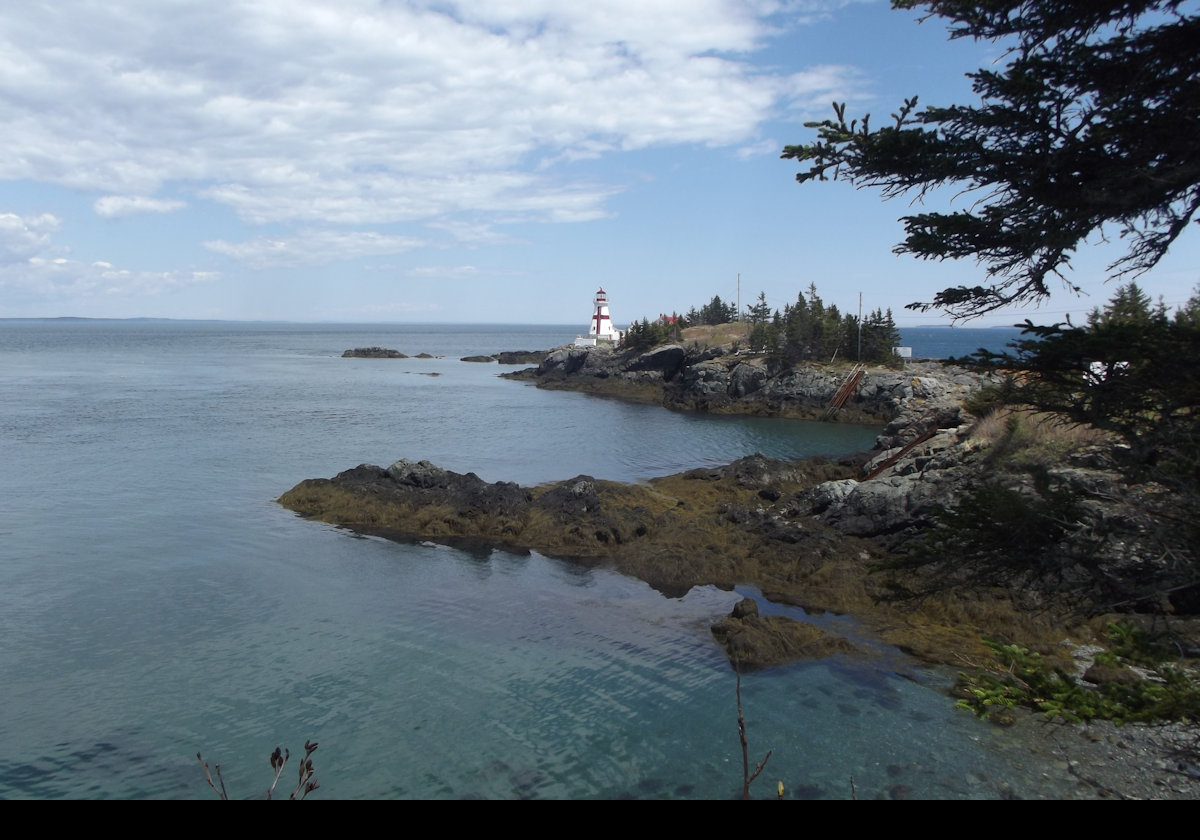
{"x":752,"y":641}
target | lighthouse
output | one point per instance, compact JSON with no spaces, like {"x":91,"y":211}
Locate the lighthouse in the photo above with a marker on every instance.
{"x":601,"y":326}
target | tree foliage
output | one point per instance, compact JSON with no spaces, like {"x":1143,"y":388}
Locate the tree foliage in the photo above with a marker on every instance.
{"x":1090,"y":128}
{"x":645,"y":334}
{"x":716,"y":311}
{"x":1000,"y":536}
{"x":809,"y":329}
{"x":1132,"y":369}
{"x":805,"y":330}
{"x":1025,"y":524}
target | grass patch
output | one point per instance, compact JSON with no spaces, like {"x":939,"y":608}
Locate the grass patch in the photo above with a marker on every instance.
{"x":718,"y":335}
{"x":1021,"y":437}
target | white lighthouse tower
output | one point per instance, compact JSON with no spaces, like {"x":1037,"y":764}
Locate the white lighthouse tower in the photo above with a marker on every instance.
{"x":601,"y":327}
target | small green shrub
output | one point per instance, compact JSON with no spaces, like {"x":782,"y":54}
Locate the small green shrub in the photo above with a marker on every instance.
{"x":1019,"y":677}
{"x":1132,"y":643}
{"x":993,"y":397}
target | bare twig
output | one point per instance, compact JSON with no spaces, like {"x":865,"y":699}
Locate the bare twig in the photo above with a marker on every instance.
{"x":208,"y":778}
{"x":747,"y":776}
{"x":306,"y":784}
{"x":278,"y":759}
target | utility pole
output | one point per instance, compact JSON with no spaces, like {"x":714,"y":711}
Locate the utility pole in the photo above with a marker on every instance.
{"x":739,"y":310}
{"x":860,"y":326}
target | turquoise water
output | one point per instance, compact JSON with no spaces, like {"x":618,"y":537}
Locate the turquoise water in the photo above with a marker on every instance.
{"x":156,"y":602}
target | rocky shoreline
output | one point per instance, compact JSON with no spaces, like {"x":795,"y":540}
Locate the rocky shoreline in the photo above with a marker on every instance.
{"x":714,"y":380}
{"x":812,"y":534}
{"x":931,"y":454}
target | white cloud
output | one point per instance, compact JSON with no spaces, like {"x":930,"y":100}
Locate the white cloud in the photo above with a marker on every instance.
{"x":764,"y":148}
{"x":456,"y":272}
{"x":356,"y":112}
{"x":25,"y":264}
{"x":314,"y":247}
{"x":471,"y":233}
{"x":62,"y":278}
{"x":114,"y":206}
{"x":22,"y":238}
{"x":810,"y":93}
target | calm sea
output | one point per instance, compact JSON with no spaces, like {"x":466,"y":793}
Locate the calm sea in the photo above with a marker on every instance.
{"x":956,"y":342}
{"x":155,"y":601}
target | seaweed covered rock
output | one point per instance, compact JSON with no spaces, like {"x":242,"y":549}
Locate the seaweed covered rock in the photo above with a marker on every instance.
{"x":752,"y":641}
{"x":412,"y":499}
{"x":745,"y":523}
{"x":466,"y":492}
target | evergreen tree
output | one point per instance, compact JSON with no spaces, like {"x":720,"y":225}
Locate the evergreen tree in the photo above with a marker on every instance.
{"x":1135,"y":372}
{"x":760,"y":312}
{"x":759,"y":316}
{"x":1090,"y":125}
{"x":796,"y":335}
{"x":1189,"y":314}
{"x":639,"y":337}
{"x":1131,"y":306}
{"x":879,"y":337}
{"x":716,"y":311}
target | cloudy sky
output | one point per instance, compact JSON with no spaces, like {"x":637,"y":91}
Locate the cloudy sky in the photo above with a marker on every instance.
{"x":460,"y":160}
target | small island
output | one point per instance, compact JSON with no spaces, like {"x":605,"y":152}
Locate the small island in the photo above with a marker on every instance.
{"x":373,"y":353}
{"x":383,"y":353}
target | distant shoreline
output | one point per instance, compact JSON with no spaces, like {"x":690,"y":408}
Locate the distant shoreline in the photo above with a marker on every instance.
{"x":570,"y":326}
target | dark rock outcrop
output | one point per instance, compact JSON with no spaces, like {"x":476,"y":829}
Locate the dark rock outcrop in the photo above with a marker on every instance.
{"x":666,"y":361}
{"x":373,"y":353}
{"x":521,"y":357}
{"x":468,"y":493}
{"x":578,"y":518}
{"x":511,"y":357}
